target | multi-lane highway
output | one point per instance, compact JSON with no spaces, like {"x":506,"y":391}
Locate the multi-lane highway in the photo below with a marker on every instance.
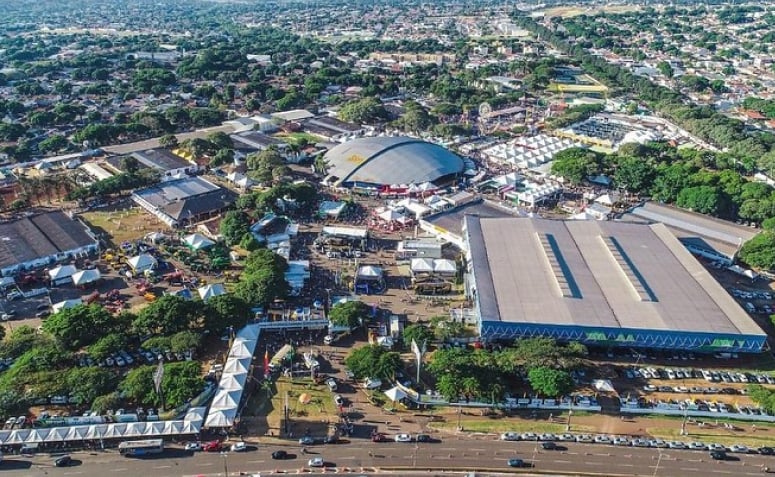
{"x":453,"y":453}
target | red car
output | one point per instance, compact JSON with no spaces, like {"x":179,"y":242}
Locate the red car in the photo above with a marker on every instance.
{"x":378,"y":437}
{"x":213,"y":446}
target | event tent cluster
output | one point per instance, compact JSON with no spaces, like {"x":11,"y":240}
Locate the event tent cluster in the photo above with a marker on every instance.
{"x":225,"y":405}
{"x":65,"y":273}
{"x":189,"y":425}
{"x":528,"y":152}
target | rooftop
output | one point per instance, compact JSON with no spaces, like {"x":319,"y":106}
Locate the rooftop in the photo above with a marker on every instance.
{"x":452,"y":220}
{"x":39,"y":236}
{"x":185,"y":198}
{"x":161,"y":159}
{"x":597,"y":274}
{"x":255,"y":139}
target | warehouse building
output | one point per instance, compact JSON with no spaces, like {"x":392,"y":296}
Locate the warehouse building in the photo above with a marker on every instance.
{"x":604,"y":284}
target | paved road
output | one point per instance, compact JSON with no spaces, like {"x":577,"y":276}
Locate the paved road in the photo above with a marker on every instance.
{"x":485,"y":453}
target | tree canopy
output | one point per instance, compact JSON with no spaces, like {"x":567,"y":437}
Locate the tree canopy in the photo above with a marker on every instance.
{"x":373,"y":361}
{"x":349,"y":314}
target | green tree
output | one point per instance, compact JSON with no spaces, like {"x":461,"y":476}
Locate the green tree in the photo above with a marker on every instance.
{"x":576,"y":164}
{"x":234,"y":225}
{"x":107,"y":345}
{"x":634,"y":174}
{"x":264,"y":259}
{"x":445,"y":329}
{"x":417,"y":332}
{"x":12,"y":403}
{"x":80,"y":325}
{"x":185,"y":341}
{"x":182,"y":381}
{"x":550,"y":382}
{"x":102,"y":404}
{"x":349,"y":314}
{"x":137,"y":385}
{"x":759,"y":252}
{"x":373,"y":361}
{"x":53,"y":143}
{"x":19,"y":341}
{"x":170,"y":141}
{"x":249,"y":242}
{"x":220,"y":140}
{"x":224,"y":311}
{"x":363,"y":111}
{"x":260,"y":165}
{"x":86,"y":384}
{"x":702,"y":199}
{"x":167,"y":315}
{"x":450,"y":387}
{"x":262,"y":287}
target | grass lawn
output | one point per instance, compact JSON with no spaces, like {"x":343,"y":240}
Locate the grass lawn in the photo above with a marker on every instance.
{"x":297,"y":137}
{"x":499,"y":425}
{"x":123,"y":225}
{"x":320,"y":407}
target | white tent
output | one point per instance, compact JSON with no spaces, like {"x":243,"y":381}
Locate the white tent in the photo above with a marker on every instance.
{"x":96,"y":431}
{"x":56,"y":434}
{"x":142,"y":262}
{"x":198,"y":241}
{"x":18,"y":437}
{"x":62,"y":272}
{"x":395,"y":394}
{"x":135,"y":429}
{"x":155,"y":237}
{"x":369,"y":272}
{"x":444,"y":266}
{"x":208,"y":291}
{"x":35,"y":435}
{"x":63,"y":305}
{"x":76,"y":433}
{"x":86,"y":276}
{"x":390,"y":216}
{"x":223,"y":409}
{"x":422,"y":265}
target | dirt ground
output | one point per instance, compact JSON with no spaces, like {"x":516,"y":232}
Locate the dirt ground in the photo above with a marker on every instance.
{"x":123,"y":223}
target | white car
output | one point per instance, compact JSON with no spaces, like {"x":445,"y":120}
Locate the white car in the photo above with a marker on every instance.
{"x":621,"y":441}
{"x":716,"y":447}
{"x":528,"y":436}
{"x":697,"y":446}
{"x":193,"y":446}
{"x":403,"y":438}
{"x":584,"y":438}
{"x":316,"y":462}
{"x":547,"y":437}
{"x":602,"y":439}
{"x":338,"y":400}
{"x":328,"y":339}
{"x":740,"y":449}
{"x":566,"y":437}
{"x":331,"y":383}
{"x":509,"y":436}
{"x":676,"y":445}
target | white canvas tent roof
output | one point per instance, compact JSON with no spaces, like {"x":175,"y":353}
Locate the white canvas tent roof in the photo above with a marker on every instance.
{"x":198,"y":241}
{"x":65,"y":304}
{"x":142,"y":262}
{"x":208,"y":291}
{"x":86,"y":276}
{"x":225,"y":405}
{"x":442,"y":265}
{"x":395,"y":394}
{"x":369,"y":272}
{"x":422,"y":265}
{"x":62,"y":271}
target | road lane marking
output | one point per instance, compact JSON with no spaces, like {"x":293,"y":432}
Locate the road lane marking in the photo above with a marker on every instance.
{"x":72,"y":473}
{"x":256,"y":461}
{"x":119,"y":470}
{"x":595,"y":463}
{"x":205,"y":464}
{"x":690,"y":469}
{"x":562,"y":461}
{"x":162,"y":467}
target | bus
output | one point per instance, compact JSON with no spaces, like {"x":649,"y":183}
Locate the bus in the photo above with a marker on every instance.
{"x":140,"y":448}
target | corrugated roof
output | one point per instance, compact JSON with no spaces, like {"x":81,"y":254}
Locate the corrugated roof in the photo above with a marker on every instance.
{"x":391,"y":160}
{"x":592,"y":273}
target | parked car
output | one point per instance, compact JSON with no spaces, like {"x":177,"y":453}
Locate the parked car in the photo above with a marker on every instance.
{"x":338,"y":400}
{"x":423,"y":438}
{"x":331,"y":383}
{"x":718,"y":455}
{"x":316,"y":462}
{"x":213,"y":446}
{"x":548,"y":445}
{"x":378,"y":437}
{"x":739,"y":449}
{"x":697,"y":446}
{"x":63,"y":461}
{"x":239,"y":447}
{"x":307,"y":441}
{"x":193,"y":446}
{"x":403,"y":438}
{"x":509,"y":436}
{"x":516,"y":463}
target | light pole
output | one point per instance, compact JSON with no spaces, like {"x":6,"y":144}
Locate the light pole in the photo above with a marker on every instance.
{"x":225,"y":456}
{"x":683,"y":422}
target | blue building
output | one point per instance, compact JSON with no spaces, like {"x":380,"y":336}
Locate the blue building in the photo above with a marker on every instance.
{"x":605,"y":284}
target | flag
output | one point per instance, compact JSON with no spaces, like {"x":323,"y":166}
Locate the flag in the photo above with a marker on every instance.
{"x":158,"y":375}
{"x":266,"y":363}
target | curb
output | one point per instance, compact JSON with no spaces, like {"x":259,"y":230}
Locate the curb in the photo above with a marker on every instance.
{"x":499,"y":470}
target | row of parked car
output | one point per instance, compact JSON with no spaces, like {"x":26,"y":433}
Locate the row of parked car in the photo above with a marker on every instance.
{"x":125,"y":358}
{"x":706,"y":406}
{"x":626,"y":441}
{"x":650,"y":388}
{"x":711,"y":376}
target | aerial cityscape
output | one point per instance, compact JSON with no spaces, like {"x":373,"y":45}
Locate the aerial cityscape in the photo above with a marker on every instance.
{"x":244,"y":238}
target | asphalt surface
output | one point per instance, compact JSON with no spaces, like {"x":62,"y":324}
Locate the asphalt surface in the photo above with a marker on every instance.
{"x":483,"y":453}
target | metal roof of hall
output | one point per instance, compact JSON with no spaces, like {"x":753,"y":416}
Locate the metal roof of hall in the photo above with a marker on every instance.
{"x":596,"y":273}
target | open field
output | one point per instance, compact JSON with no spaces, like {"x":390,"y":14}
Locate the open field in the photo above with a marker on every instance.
{"x":497,"y":425}
{"x":124,"y":224}
{"x":568,"y":12}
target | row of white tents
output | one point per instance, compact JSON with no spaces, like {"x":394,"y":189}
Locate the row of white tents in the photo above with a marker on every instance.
{"x":65,"y":273}
{"x":528,"y":152}
{"x":189,"y":425}
{"x":225,"y":405}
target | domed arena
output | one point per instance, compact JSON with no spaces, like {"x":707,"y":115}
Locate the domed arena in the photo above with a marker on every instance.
{"x":384,"y":161}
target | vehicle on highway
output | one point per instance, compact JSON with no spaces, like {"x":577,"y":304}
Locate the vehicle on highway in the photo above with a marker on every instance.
{"x":716,"y":447}
{"x":239,"y":446}
{"x":316,"y":462}
{"x":139,"y":448}
{"x":584,"y":438}
{"x":509,"y":436}
{"x":548,"y":445}
{"x":739,"y":449}
{"x":718,"y":455}
{"x":528,"y":436}
{"x":193,"y":446}
{"x":63,"y":461}
{"x":280,"y":455}
{"x":640,"y":443}
{"x":423,"y":438}
{"x":212,"y":446}
{"x":403,"y":438}
{"x":307,"y":441}
{"x":547,"y":437}
{"x":516,"y":463}
{"x":766,"y":451}
{"x":378,"y":437}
